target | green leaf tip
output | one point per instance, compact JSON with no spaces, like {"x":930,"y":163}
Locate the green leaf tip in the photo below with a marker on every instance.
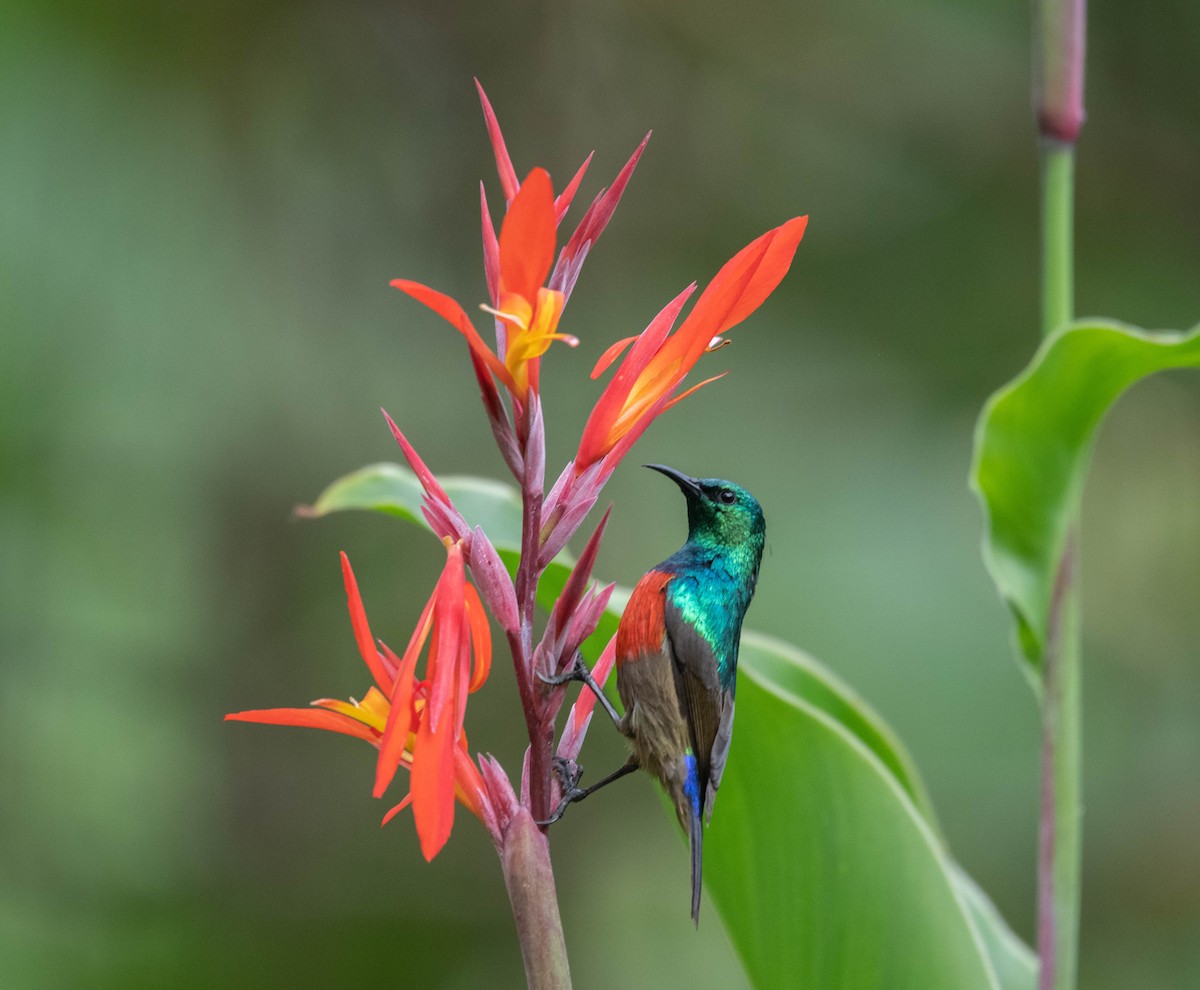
{"x":1033,"y":444}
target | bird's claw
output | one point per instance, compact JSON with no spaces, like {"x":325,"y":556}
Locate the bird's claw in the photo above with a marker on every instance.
{"x":576,"y":672}
{"x":568,"y":773}
{"x":569,"y":796}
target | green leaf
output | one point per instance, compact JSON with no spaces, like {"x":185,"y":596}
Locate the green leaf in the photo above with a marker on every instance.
{"x":799,"y":674}
{"x":1015,"y":964}
{"x":395,"y":490}
{"x":1032,"y":448}
{"x":823,"y":858}
{"x":822,"y":866}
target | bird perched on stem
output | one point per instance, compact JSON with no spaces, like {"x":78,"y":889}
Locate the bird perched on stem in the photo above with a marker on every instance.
{"x":677,"y":652}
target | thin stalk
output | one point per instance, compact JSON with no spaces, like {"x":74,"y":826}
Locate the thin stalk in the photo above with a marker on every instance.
{"x":1060,"y":831}
{"x":1059,"y":34}
{"x":1058,"y":247}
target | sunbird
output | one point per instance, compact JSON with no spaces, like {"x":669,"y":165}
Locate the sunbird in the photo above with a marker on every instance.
{"x":677,"y":653}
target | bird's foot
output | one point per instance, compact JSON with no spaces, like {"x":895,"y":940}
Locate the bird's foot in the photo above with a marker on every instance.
{"x":578,"y":671}
{"x":567,"y":798}
{"x":568,"y":773}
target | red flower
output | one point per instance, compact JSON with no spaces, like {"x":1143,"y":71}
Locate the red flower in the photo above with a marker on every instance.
{"x":528,"y":310}
{"x":644,"y":385}
{"x":416,"y":723}
{"x":527,"y":288}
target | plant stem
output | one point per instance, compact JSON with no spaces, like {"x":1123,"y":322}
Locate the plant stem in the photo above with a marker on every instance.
{"x":530,"y":882}
{"x":1059,"y":27}
{"x":1058,"y":284}
{"x":1060,"y":833}
{"x":538,"y":721}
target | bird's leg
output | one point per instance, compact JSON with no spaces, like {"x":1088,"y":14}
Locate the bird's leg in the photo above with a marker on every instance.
{"x":578,"y":671}
{"x":576,"y":793}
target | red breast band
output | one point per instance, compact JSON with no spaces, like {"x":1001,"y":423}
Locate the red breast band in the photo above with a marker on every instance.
{"x":642,"y":625}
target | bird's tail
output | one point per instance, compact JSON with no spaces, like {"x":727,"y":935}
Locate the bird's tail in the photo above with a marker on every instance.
{"x":696,"y":841}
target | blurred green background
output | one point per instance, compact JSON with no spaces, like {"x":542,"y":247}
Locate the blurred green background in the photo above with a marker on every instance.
{"x":200,"y":208}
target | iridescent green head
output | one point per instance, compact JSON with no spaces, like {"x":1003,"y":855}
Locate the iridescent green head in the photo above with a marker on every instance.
{"x":719,"y":511}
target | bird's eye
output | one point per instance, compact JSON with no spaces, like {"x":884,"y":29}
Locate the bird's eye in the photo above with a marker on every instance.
{"x":726,"y":495}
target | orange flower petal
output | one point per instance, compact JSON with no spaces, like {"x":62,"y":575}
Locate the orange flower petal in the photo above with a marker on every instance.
{"x":433,"y":784}
{"x":307,"y":718}
{"x":453,"y":313}
{"x":447,"y":620}
{"x":609,"y":356}
{"x":420,"y":632}
{"x":683,"y":395}
{"x":362,"y":631}
{"x":599,"y":433}
{"x":355,"y":711}
{"x":399,"y":728}
{"x":462,"y":669}
{"x":432,"y":658}
{"x":742,"y":285}
{"x":376,"y":702}
{"x":396,"y":810}
{"x":468,"y":781}
{"x":527,"y":237}
{"x":657,"y":363}
{"x":481,"y":638}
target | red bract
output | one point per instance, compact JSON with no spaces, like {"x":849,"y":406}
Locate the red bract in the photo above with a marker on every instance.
{"x":580,"y":716}
{"x":415,"y":722}
{"x":645,"y":383}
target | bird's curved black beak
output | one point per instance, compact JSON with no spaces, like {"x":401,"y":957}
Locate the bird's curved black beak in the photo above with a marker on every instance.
{"x":685,"y":483}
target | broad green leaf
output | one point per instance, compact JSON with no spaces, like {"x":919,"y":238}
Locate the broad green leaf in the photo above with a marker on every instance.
{"x":823,"y":857}
{"x":1015,"y":964}
{"x":395,"y":490}
{"x":823,"y":869}
{"x":1032,"y":448}
{"x":799,"y":674}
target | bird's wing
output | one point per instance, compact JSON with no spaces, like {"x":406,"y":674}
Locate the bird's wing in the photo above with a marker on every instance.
{"x":699,"y":687}
{"x":720,"y":752}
